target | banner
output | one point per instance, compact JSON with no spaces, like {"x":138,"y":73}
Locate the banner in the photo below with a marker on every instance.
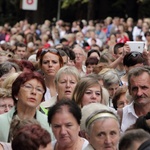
{"x":29,"y":4}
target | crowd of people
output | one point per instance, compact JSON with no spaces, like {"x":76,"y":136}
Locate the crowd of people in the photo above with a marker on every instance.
{"x":75,"y":86}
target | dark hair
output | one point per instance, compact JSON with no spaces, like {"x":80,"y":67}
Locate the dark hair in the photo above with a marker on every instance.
{"x":68,"y":51}
{"x":130,"y":137}
{"x":20,"y":44}
{"x":147,"y":33}
{"x":63,"y":40}
{"x":117,"y":46}
{"x":91,"y":61}
{"x":26,"y":64}
{"x":31,"y":137}
{"x":141,"y":123}
{"x":133,"y":58}
{"x":92,"y":51}
{"x":24,"y":77}
{"x":73,"y":108}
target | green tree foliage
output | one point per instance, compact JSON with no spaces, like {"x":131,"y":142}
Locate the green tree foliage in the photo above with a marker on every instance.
{"x":67,"y":3}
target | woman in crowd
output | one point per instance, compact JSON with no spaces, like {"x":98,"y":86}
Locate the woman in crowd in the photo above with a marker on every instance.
{"x":111,"y":82}
{"x":6,"y":101}
{"x":27,"y":92}
{"x":99,"y":133}
{"x":80,"y":59}
{"x":64,"y":118}
{"x":88,"y":90}
{"x":120,"y":98}
{"x":50,"y":62}
{"x":32,"y":137}
{"x":65,"y":80}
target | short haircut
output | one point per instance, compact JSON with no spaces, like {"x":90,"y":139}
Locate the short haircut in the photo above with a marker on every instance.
{"x":69,"y":70}
{"x":131,"y":136}
{"x":133,"y":58}
{"x":110,"y":77}
{"x":31,"y":137}
{"x":73,"y":108}
{"x":24,"y":77}
{"x":117,"y":46}
{"x":92,"y":51}
{"x":135,"y":72}
{"x":91,"y":61}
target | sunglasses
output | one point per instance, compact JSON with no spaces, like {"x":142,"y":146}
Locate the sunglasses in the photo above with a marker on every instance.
{"x":52,"y":50}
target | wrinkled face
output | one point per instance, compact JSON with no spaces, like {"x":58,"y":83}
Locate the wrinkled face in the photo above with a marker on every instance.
{"x":65,"y":127}
{"x":140,"y":89}
{"x":122,"y":101}
{"x":6,"y":104}
{"x":65,"y":85}
{"x":92,"y":95}
{"x":112,"y":89}
{"x":30,"y":94}
{"x":21,"y":52}
{"x":79,"y":55}
{"x":50,"y":64}
{"x":104,"y":134}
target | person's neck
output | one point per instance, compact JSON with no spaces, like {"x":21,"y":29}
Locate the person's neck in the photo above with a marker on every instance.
{"x":120,"y":67}
{"x":25,"y":112}
{"x":74,"y":146}
{"x":141,"y":110}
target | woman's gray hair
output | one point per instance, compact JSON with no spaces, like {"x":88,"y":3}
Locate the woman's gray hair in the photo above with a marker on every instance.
{"x":71,"y":70}
{"x":90,"y":109}
{"x":110,"y":77}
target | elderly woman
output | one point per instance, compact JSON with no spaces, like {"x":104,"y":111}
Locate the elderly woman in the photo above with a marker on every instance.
{"x":111,"y":82}
{"x":64,"y":118}
{"x":6,"y":101}
{"x":88,"y":90}
{"x":27,"y":92}
{"x":65,"y":81}
{"x":99,"y":133}
{"x":50,"y":62}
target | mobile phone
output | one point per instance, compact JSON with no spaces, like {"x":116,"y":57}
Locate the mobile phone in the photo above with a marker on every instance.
{"x":136,"y":45}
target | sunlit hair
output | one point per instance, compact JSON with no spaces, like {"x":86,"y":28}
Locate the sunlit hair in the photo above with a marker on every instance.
{"x":68,"y":70}
{"x":82,"y":86}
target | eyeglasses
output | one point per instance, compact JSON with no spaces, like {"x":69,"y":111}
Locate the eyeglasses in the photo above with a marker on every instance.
{"x":78,"y":54}
{"x":50,"y":50}
{"x":5,"y":106}
{"x":29,"y":88}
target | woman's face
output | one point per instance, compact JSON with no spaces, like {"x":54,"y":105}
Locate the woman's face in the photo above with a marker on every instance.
{"x":65,"y":85}
{"x":79,"y":55}
{"x":122,"y":101}
{"x":65,"y":127}
{"x":50,"y":64}
{"x":102,"y":136}
{"x":92,"y":95}
{"x":30,"y":94}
